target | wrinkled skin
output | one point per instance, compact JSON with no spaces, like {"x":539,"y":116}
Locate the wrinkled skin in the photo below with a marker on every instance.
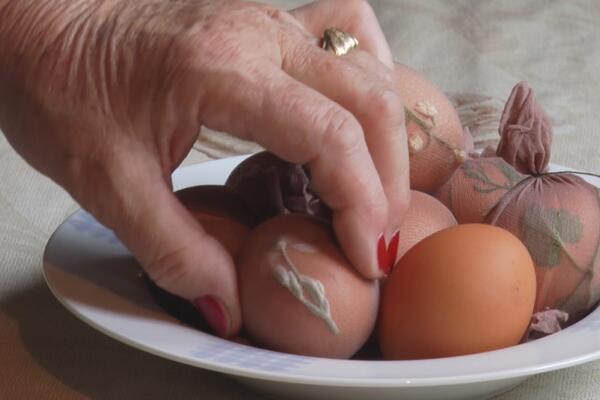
{"x":106,"y":97}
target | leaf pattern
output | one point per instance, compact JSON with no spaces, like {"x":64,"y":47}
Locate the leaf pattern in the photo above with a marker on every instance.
{"x":545,"y":232}
{"x":474,"y":170}
{"x":512,"y":175}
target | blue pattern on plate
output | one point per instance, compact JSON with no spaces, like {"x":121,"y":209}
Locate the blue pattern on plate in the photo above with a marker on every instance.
{"x":84,"y":223}
{"x":223,"y":352}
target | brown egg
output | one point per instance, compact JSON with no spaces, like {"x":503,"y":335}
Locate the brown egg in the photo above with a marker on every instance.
{"x":220,"y":212}
{"x":435,"y":134}
{"x":426,"y":215}
{"x":298,"y":292}
{"x":463,"y":290}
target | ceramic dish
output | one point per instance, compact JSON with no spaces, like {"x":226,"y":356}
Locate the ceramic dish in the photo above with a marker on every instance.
{"x":96,"y":278}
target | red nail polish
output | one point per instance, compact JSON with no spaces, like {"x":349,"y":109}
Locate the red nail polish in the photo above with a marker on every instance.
{"x":215,"y":314}
{"x":393,"y":250}
{"x":382,"y":255}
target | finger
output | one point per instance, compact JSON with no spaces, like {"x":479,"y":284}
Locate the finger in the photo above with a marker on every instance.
{"x":353,"y":16}
{"x":302,"y":126}
{"x":366,"y":88}
{"x":167,"y":241}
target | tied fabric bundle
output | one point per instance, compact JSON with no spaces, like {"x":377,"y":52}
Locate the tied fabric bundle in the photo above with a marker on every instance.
{"x":556,"y":215}
{"x":270,"y":186}
{"x":525,"y":133}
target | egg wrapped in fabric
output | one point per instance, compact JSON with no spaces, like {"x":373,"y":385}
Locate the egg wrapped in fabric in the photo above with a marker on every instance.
{"x":556,"y":215}
{"x":476,"y":187}
{"x":435,"y":135}
{"x":425,"y":216}
{"x":221,"y":212}
{"x":466,"y":289}
{"x":298,"y":292}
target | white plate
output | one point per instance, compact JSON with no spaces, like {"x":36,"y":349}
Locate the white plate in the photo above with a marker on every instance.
{"x":96,"y":278}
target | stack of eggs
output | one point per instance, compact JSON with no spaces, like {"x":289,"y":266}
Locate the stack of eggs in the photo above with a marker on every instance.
{"x":493,"y":250}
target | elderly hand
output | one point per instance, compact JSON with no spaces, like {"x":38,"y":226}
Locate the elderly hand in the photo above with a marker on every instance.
{"x":106,"y":97}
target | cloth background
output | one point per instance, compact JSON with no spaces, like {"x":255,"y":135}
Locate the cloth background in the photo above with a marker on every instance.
{"x":469,"y":49}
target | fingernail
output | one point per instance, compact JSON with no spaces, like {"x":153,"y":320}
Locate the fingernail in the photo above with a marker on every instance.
{"x":393,"y":250}
{"x":382,"y":255}
{"x":215,"y":314}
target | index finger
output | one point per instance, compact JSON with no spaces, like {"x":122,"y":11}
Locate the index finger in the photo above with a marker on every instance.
{"x":300,"y":125}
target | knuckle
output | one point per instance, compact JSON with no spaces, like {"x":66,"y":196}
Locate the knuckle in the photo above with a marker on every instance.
{"x":342,"y":132}
{"x":281,"y":19}
{"x":387,"y":75}
{"x":169,"y":268}
{"x":276,"y":14}
{"x":215,"y":45}
{"x":385,"y":103}
{"x":210,"y":40}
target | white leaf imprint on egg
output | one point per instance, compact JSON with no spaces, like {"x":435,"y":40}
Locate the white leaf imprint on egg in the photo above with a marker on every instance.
{"x":427,"y":110}
{"x":303,"y":247}
{"x":309,"y":291}
{"x":415,"y":143}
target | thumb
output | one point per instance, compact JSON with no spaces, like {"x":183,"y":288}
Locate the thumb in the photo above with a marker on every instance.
{"x":172,"y":247}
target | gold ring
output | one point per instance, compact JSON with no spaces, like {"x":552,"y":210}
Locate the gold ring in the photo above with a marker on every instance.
{"x":338,"y":41}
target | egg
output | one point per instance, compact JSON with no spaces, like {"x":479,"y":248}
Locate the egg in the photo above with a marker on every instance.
{"x":425,"y":216}
{"x":557,"y":216}
{"x":466,"y":289}
{"x":221,"y":213}
{"x":435,"y":134}
{"x":298,"y":292}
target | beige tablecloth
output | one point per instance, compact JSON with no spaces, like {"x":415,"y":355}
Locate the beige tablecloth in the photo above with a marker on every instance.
{"x":463,"y":46}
